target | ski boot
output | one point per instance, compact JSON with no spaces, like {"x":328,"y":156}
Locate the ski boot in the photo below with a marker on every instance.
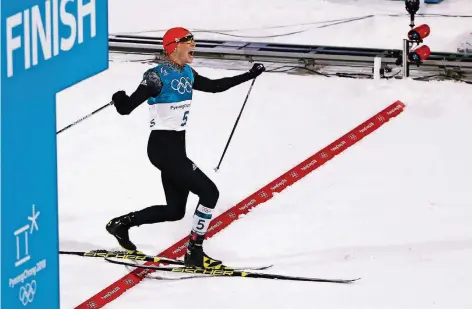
{"x":196,"y":257}
{"x":119,"y":227}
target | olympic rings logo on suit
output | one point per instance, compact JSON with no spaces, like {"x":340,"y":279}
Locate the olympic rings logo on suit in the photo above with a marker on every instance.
{"x":181,"y":86}
{"x":27,"y":293}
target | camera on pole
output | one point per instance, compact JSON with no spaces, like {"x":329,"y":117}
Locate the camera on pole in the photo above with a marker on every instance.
{"x":415,"y":36}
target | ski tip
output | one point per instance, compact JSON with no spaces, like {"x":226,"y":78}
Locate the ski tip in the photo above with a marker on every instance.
{"x":262,"y":267}
{"x":343,"y":280}
{"x":353,"y":280}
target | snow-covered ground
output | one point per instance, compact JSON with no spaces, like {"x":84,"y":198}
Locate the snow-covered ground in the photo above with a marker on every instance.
{"x":395,"y":209}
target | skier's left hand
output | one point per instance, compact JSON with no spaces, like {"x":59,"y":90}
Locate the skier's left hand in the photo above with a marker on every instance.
{"x":256,"y":70}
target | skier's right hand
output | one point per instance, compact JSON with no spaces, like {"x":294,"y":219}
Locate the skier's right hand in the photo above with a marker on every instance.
{"x":120,"y":98}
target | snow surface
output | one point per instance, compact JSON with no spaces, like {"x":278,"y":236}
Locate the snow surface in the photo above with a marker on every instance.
{"x":395,"y":209}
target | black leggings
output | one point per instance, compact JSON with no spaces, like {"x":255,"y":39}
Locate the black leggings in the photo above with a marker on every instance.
{"x":179,"y":175}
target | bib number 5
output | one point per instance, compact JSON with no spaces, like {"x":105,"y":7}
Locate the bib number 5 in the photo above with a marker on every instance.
{"x":184,"y":120}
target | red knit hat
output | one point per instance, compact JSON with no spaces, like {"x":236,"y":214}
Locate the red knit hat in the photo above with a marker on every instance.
{"x":174,"y":36}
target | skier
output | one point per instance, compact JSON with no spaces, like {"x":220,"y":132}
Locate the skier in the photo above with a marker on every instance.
{"x":168,"y":90}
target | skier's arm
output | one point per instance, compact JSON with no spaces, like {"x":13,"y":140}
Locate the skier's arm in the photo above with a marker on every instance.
{"x":205,"y":84}
{"x":150,"y":87}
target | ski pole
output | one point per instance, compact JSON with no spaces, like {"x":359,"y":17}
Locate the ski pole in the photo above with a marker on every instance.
{"x":85,"y":117}
{"x":234,"y":127}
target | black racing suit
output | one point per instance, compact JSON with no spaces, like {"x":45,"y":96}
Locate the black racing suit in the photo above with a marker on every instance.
{"x":166,"y":149}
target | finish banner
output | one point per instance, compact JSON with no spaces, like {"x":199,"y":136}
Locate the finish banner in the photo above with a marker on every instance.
{"x":46,"y":46}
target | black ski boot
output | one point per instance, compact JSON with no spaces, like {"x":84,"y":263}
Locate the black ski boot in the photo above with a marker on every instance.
{"x":195,"y":257}
{"x":119,"y":227}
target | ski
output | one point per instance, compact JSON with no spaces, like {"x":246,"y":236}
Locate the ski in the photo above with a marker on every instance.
{"x":240,"y":268}
{"x":138,"y":257}
{"x":105,"y":254}
{"x":230,"y":272}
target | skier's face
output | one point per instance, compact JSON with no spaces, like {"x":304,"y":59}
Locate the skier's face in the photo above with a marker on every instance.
{"x":184,"y":51}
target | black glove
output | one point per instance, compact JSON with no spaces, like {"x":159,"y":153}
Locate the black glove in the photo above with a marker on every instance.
{"x":256,"y":70}
{"x":120,"y":98}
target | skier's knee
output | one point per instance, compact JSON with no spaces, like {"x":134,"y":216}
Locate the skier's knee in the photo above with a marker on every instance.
{"x":210,"y":198}
{"x":177,"y":214}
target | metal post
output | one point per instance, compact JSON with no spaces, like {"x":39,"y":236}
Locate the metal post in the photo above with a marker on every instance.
{"x":377,"y":67}
{"x":406,"y":65}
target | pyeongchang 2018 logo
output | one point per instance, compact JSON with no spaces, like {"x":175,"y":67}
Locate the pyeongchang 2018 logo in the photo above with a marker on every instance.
{"x":182,"y":85}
